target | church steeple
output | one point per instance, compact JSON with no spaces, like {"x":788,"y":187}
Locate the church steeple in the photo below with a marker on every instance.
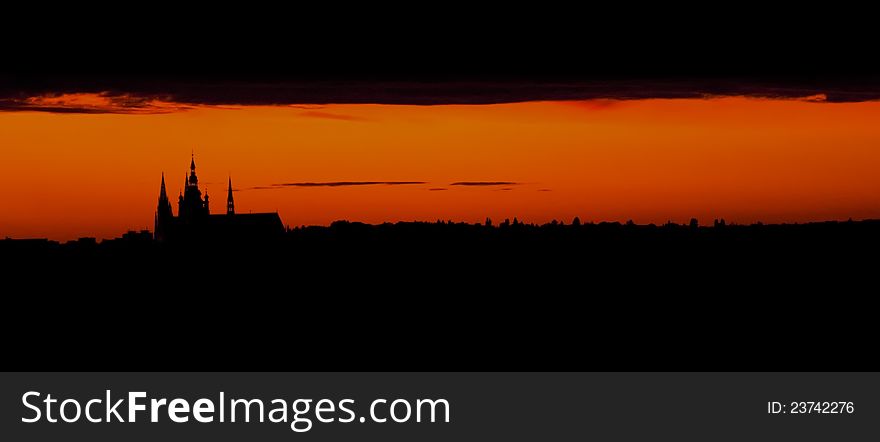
{"x":192,"y":205}
{"x":163,"y":196}
{"x":193,"y":180}
{"x":230,"y":204}
{"x":163,"y":213}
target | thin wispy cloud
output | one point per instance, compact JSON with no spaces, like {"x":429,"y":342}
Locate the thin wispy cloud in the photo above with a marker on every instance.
{"x":484,"y":183}
{"x":496,"y":185}
{"x":349,"y":183}
{"x":337,"y":184}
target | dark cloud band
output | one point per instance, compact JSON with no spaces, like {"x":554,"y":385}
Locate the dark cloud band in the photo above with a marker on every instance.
{"x":140,"y":96}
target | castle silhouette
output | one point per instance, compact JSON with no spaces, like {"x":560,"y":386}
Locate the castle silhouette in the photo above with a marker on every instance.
{"x":194,"y":221}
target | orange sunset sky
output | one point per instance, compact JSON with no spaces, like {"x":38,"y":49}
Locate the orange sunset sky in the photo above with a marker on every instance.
{"x":64,"y":176}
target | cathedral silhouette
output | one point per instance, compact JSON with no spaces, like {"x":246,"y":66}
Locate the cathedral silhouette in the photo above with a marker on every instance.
{"x":194,"y":221}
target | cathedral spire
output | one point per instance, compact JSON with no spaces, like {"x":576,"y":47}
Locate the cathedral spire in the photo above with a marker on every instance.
{"x":162,"y":194}
{"x":193,"y":180}
{"x":230,"y":204}
{"x":163,"y":213}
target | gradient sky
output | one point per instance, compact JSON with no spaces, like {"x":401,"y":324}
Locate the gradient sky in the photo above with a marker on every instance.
{"x":66,"y":175}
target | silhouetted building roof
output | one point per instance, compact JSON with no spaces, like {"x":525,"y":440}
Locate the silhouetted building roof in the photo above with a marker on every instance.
{"x":247,"y":225}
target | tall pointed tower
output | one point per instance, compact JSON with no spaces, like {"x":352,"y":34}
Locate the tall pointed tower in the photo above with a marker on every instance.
{"x":192,"y":207}
{"x":164,"y":214}
{"x":230,"y":204}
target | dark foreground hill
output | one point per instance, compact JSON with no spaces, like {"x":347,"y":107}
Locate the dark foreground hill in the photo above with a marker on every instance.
{"x":460,"y":296}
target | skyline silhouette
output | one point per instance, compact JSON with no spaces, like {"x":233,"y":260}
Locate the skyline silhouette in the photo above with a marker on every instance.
{"x":615,"y":296}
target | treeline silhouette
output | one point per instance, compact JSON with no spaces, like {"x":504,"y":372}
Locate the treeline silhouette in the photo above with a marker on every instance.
{"x":488,"y":244}
{"x":445,"y":295}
